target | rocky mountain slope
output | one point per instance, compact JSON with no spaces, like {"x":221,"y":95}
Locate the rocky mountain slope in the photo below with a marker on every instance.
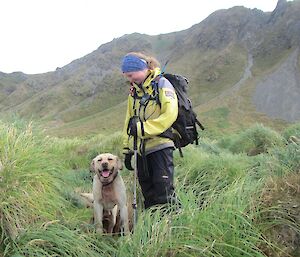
{"x":238,"y":59}
{"x":278,"y":94}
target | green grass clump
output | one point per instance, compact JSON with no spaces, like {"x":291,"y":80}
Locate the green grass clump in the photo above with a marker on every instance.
{"x":29,"y":183}
{"x":286,"y":159}
{"x":292,"y":130}
{"x":255,"y":140}
{"x":280,"y":218}
{"x":53,"y":239}
{"x":210,"y":172}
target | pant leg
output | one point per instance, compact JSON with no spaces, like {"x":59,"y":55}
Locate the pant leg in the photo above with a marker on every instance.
{"x":162,"y":176}
{"x":156,"y":177}
{"x":145,"y":180}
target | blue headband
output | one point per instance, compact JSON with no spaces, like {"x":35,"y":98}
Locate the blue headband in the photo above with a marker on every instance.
{"x":132,"y":63}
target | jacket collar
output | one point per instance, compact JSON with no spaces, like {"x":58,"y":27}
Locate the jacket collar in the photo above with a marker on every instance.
{"x":146,"y":86}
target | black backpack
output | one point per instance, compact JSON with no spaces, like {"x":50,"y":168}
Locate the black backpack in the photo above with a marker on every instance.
{"x":186,"y":122}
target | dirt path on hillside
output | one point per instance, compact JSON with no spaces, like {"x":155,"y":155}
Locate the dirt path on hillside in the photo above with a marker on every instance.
{"x":247,"y":74}
{"x":278,"y":94}
{"x":237,"y":86}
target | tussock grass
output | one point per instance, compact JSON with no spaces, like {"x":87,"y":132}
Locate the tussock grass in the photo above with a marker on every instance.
{"x":286,"y":159}
{"x":255,"y":140}
{"x":232,"y":204}
{"x":210,"y":172}
{"x":293,"y":130}
{"x":280,"y":217}
{"x":53,"y":239}
{"x":28,"y":180}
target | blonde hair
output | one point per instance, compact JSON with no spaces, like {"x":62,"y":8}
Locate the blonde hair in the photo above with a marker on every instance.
{"x":152,"y":63}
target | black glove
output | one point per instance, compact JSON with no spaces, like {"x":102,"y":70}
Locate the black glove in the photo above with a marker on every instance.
{"x":132,"y":126}
{"x":127,"y":161}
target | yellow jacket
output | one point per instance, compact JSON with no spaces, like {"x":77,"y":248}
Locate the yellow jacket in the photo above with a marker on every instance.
{"x":156,"y":116}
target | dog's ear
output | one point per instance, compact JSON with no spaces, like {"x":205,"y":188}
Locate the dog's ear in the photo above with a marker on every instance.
{"x":92,"y":166}
{"x":119,"y":163}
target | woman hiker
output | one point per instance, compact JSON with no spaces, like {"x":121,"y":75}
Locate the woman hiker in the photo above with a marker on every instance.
{"x":152,"y":108}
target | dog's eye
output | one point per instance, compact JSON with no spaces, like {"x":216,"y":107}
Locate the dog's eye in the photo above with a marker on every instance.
{"x":110,"y":159}
{"x":100,"y":160}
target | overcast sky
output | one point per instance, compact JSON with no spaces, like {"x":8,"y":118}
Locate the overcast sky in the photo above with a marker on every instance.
{"x":37,"y":36}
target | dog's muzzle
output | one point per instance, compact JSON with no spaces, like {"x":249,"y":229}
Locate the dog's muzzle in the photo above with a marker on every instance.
{"x":105,"y":173}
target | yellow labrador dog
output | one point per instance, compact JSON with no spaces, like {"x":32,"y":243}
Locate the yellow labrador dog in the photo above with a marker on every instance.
{"x":109,"y":192}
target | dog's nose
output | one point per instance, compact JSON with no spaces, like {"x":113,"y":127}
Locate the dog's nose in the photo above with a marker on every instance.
{"x":104,"y":165}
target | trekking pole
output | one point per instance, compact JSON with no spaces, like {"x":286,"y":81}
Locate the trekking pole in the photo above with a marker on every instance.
{"x":134,"y":204}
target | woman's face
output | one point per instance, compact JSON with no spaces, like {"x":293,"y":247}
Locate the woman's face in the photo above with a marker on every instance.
{"x":136,"y":77}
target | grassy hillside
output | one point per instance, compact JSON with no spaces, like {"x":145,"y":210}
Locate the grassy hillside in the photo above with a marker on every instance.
{"x":106,"y":122}
{"x":239,"y":195}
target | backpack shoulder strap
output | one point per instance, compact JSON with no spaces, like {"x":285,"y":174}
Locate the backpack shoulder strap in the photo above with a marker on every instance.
{"x":155,"y":94}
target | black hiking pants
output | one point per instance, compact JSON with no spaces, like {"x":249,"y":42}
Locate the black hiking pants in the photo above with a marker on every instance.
{"x":156,"y":177}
